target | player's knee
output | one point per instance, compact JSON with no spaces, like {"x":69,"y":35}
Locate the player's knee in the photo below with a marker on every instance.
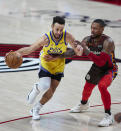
{"x":44,"y":84}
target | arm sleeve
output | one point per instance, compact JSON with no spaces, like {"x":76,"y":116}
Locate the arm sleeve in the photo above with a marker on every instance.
{"x":98,"y":60}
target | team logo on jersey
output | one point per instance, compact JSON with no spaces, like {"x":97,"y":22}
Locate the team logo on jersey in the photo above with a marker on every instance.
{"x":88,"y":77}
{"x":100,"y":46}
{"x":54,"y":51}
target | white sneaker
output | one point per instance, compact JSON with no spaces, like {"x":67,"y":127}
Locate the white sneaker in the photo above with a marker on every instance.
{"x":35,"y":111}
{"x":106,"y":121}
{"x":33,"y":94}
{"x":79,"y":108}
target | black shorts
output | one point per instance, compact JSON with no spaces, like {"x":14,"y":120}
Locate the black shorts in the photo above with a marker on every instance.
{"x":57,"y":77}
{"x":94,"y":75}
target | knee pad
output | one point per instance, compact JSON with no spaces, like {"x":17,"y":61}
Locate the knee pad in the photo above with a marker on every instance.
{"x":44,"y":83}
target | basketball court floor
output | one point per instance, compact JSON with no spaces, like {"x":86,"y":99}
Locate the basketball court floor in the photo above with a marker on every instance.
{"x":23,"y":22}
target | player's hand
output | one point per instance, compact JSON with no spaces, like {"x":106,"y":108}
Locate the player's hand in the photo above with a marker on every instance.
{"x":83,"y":44}
{"x":76,"y":42}
{"x":18,"y":54}
{"x":79,"y":50}
{"x":8,"y":53}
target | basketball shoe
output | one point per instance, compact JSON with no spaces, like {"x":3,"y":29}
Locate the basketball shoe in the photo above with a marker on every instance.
{"x":106,"y":121}
{"x":35,"y":111}
{"x":33,"y":94}
{"x":79,"y":108}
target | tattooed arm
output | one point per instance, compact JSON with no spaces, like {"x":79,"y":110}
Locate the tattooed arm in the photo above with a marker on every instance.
{"x":69,"y":53}
{"x":104,"y":56}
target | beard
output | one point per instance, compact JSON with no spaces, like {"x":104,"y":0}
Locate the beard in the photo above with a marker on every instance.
{"x":95,"y":36}
{"x":56,"y":36}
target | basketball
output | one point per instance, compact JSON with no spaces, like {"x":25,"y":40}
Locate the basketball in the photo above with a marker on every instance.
{"x":13,"y":60}
{"x":117,"y":117}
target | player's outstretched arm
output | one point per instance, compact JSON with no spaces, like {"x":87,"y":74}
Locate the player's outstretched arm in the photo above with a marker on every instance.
{"x":98,"y":60}
{"x":69,"y":53}
{"x":36,"y":45}
{"x":71,"y":40}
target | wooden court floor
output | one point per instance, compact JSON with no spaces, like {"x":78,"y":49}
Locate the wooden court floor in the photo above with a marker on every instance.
{"x":23,"y":22}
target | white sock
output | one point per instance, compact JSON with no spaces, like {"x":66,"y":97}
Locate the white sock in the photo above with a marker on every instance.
{"x":38,"y":105}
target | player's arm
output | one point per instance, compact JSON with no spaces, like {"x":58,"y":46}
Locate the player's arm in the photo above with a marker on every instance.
{"x":71,"y":40}
{"x":39,"y":43}
{"x":98,"y":60}
{"x":71,"y":52}
{"x":85,"y":41}
{"x":108,"y":46}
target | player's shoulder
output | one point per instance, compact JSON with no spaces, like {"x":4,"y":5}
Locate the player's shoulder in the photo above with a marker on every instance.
{"x":68,"y":34}
{"x":69,"y":37}
{"x":87,"y":38}
{"x":44,"y":40}
{"x":46,"y":37}
{"x":107,"y":38}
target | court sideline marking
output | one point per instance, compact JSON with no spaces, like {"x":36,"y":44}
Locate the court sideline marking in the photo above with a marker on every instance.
{"x":49,"y":113}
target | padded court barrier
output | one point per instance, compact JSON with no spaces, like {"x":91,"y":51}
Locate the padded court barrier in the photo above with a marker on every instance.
{"x":115,"y":2}
{"x":4,"y":48}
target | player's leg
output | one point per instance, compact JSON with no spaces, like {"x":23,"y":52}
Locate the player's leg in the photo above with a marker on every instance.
{"x":84,"y":105}
{"x":46,"y":96}
{"x":49,"y":93}
{"x":42,"y":85}
{"x":104,"y":83}
{"x":87,"y":91}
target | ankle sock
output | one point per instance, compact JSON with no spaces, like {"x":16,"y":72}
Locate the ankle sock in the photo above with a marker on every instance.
{"x":83,"y":102}
{"x":108,"y":112}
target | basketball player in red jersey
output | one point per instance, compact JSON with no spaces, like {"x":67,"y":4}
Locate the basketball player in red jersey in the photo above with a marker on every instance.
{"x":102,"y":72}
